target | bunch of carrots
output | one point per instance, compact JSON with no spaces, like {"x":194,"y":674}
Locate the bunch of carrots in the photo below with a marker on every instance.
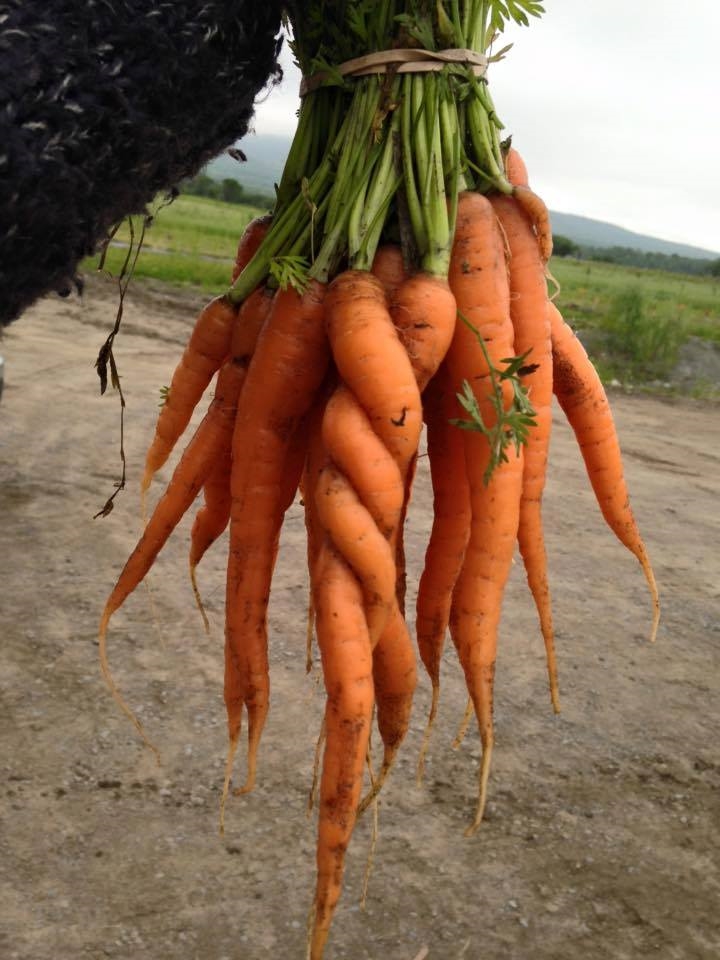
{"x":400,"y":283}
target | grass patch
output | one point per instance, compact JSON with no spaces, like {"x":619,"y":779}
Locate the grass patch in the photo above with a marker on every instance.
{"x":639,"y":346}
{"x":180,"y":269}
{"x":191,"y":241}
{"x":588,"y":291}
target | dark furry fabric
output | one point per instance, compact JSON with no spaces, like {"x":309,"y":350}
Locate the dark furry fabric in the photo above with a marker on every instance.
{"x":105,"y":103}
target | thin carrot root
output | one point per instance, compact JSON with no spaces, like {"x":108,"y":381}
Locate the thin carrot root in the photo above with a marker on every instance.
{"x":256,"y":721}
{"x":371,"y":855}
{"x":198,"y":598}
{"x":654,"y":594}
{"x":432,"y":716}
{"x":312,"y":793}
{"x":377,"y":782}
{"x":112,"y":686}
{"x":229,"y":762}
{"x":464,"y":724}
{"x":552,"y":671}
{"x":483,"y":778}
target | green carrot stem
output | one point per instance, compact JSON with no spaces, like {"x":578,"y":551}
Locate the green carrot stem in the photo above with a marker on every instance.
{"x":414,"y":208}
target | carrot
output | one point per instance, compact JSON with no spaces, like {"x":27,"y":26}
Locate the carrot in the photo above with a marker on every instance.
{"x":389,"y":267}
{"x":212,"y":519}
{"x":423,"y":310}
{"x":515,"y":169}
{"x":347,"y":669}
{"x":358,"y":540}
{"x":538,"y":215}
{"x":208,"y":346}
{"x":395,"y":679}
{"x":315,"y":460}
{"x":448,"y":537}
{"x":346,"y":428}
{"x":372,"y":362}
{"x":531,"y":327}
{"x":252,"y":237}
{"x":385,"y":382}
{"x":284,"y":376}
{"x":188,"y":477}
{"x":584,"y":402}
{"x":478,"y":278}
{"x":370,"y":469}
{"x":371,"y":429}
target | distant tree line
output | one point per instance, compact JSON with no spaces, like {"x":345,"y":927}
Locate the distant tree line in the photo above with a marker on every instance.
{"x":629,"y":257}
{"x":228,"y":190}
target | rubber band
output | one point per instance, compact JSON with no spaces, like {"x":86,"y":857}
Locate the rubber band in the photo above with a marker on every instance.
{"x":401,"y":61}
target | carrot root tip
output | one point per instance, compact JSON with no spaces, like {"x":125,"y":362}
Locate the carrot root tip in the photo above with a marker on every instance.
{"x":112,"y":686}
{"x":464,"y":724}
{"x":198,"y":598}
{"x":232,"y":748}
{"x":484,"y":776}
{"x":428,"y":730}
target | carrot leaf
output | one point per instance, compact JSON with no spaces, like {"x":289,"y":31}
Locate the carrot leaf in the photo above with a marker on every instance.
{"x":290,"y":271}
{"x":510,"y":425}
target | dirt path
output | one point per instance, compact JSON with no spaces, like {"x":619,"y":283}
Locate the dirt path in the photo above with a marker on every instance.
{"x":601,"y":838}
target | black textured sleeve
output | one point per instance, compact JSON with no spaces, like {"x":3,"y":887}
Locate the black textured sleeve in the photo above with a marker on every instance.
{"x":105,"y":103}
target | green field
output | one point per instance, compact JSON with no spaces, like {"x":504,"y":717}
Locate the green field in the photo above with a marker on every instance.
{"x":588,"y":289}
{"x":193,"y":242}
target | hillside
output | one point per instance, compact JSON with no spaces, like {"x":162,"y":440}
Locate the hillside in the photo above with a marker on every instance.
{"x":266,"y":157}
{"x":596,"y":233}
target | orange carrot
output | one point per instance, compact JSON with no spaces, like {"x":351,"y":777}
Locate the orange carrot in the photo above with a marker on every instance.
{"x":188,"y":477}
{"x":582,"y":397}
{"x":208,"y":346}
{"x":539,"y":216}
{"x":515,"y":169}
{"x":376,"y":475}
{"x":395,"y":679}
{"x":315,"y":460}
{"x":284,"y":376}
{"x":478,"y":278}
{"x":252,"y":237}
{"x":347,"y":669}
{"x":531,"y":326}
{"x":212,"y":519}
{"x":358,"y":540}
{"x":371,"y":359}
{"x":423,"y":310}
{"x":449,"y":535}
{"x":372,"y":362}
{"x":389,"y":267}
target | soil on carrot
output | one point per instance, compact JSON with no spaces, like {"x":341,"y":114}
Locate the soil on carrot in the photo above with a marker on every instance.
{"x":600,"y":837}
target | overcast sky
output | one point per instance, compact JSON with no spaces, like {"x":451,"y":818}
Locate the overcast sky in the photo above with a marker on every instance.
{"x":615,"y":106}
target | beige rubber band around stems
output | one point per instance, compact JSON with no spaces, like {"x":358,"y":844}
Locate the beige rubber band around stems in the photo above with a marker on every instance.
{"x":402,"y":61}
